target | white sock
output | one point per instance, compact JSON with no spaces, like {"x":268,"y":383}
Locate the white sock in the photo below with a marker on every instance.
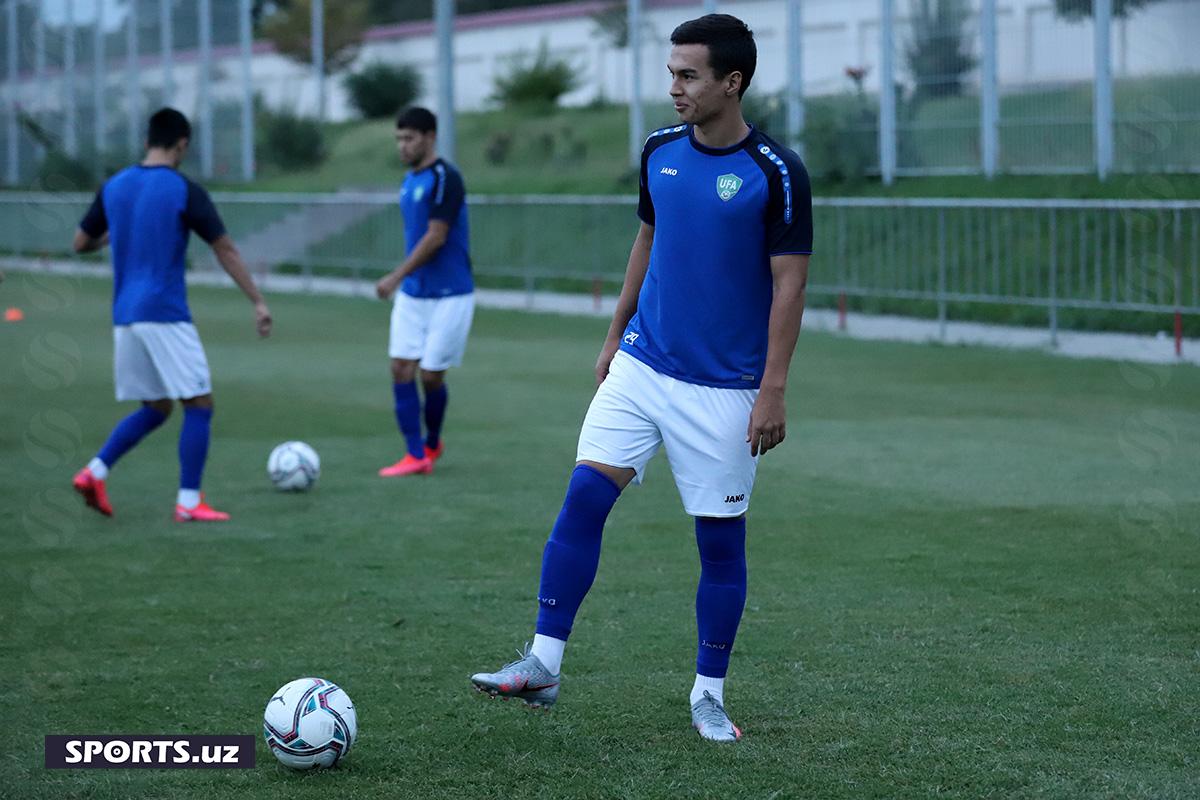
{"x":188,"y":498}
{"x":99,"y":469}
{"x":714,"y":686}
{"x":549,"y":651}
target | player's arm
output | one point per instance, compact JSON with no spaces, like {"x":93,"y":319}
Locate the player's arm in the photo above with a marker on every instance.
{"x":635,"y":275}
{"x":768,"y":417}
{"x":88,"y":244}
{"x":92,"y":233}
{"x":427,"y":247}
{"x":789,"y":241}
{"x":201,"y":216}
{"x":231,"y":261}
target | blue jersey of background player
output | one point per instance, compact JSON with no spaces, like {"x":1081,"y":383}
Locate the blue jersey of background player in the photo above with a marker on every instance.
{"x":145,"y":212}
{"x":432,"y":311}
{"x":696,"y":358}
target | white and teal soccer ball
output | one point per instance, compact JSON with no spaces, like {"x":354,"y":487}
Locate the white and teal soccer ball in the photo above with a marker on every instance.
{"x":293,"y":467}
{"x":310,"y":722}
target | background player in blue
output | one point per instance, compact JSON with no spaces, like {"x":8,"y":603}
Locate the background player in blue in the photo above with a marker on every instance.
{"x":696,"y":358}
{"x":146,"y":212}
{"x":432,"y":312}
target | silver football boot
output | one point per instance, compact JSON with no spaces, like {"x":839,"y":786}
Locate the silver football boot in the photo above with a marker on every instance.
{"x":710,"y":719}
{"x":526,"y":678}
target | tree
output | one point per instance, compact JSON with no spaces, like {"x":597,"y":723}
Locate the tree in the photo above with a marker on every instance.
{"x":1078,"y":9}
{"x":290,"y":29}
{"x":938,"y":53}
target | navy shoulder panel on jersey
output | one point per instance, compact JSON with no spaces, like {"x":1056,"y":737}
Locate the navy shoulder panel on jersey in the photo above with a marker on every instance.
{"x":449,"y":192}
{"x":200,"y":215}
{"x":653,"y":142}
{"x":789,"y":204}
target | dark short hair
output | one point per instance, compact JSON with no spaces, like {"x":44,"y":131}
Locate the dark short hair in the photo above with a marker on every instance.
{"x":167,"y":127}
{"x":730,"y":44}
{"x":417,"y":118}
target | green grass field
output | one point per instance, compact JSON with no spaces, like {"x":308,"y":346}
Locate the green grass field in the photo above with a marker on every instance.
{"x":973,"y":573}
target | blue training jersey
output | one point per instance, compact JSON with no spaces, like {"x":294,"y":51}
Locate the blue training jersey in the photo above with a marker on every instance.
{"x":437,"y":192}
{"x":718,"y":216}
{"x":148,"y":212}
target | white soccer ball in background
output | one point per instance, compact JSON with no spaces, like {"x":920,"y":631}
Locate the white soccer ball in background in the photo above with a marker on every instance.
{"x":310,"y":722}
{"x":293,"y":467}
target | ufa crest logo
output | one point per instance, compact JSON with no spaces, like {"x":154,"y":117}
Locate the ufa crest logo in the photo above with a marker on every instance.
{"x":728,"y":185}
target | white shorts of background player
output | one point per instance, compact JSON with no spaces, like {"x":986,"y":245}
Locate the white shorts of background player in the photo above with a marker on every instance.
{"x":431,"y":330}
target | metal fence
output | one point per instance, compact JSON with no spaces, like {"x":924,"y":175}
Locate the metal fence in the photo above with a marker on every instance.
{"x":1025,"y":262}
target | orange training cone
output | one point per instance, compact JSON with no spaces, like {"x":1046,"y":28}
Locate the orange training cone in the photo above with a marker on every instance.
{"x":13,"y":314}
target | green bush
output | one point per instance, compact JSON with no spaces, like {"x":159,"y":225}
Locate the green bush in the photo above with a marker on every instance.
{"x":536,"y":85}
{"x":381,"y":90}
{"x":289,"y":141}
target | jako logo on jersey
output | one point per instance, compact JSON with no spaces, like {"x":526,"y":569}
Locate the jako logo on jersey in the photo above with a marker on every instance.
{"x":728,"y":185}
{"x":630,"y":337}
{"x":734,"y":498}
{"x":668,"y":171}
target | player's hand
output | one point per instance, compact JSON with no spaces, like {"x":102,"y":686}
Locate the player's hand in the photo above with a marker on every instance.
{"x":767,"y":421}
{"x":604,"y":359}
{"x":262,"y":319}
{"x":386,"y":286}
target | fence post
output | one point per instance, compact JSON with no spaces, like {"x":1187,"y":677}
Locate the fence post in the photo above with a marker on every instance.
{"x":1178,"y":234}
{"x":70,"y":128}
{"x":795,"y":79}
{"x":12,"y":176}
{"x":1102,"y":102}
{"x":317,"y":50}
{"x":245,"y":42}
{"x":133,"y":91}
{"x":39,"y":69}
{"x":841,"y":266}
{"x":166,"y":46}
{"x":1053,"y":239}
{"x":637,"y":125}
{"x":941,"y":284}
{"x":989,"y":105}
{"x":99,"y":84}
{"x":444,"y":23}
{"x":887,"y":94}
{"x":204,"y":11}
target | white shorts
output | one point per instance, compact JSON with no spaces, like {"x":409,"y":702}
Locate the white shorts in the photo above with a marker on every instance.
{"x":703,"y":427}
{"x":432,"y":330}
{"x":159,"y":361}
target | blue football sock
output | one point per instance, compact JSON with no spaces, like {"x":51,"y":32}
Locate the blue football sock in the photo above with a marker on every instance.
{"x":435,"y":412}
{"x":128,"y":432}
{"x":408,"y":417}
{"x":721,"y":595}
{"x":193,"y":445}
{"x":572,"y":553}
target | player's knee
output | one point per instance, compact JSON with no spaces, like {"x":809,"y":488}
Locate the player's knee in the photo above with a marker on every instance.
{"x":161,"y":406}
{"x":432,"y":381}
{"x":203,"y":401}
{"x":403,"y":371}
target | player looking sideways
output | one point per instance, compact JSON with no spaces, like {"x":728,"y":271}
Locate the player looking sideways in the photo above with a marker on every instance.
{"x":432,"y":312}
{"x":145,"y":213}
{"x":696,"y":358}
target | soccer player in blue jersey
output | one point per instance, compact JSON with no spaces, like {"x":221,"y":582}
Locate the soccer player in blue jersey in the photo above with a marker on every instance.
{"x":432,"y":311}
{"x":696,"y":358}
{"x":145,"y":213}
